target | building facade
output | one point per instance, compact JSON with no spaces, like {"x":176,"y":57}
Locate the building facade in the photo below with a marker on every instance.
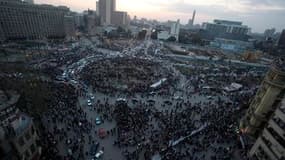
{"x":106,"y":9}
{"x":270,"y":93}
{"x":281,"y":42}
{"x":21,"y":20}
{"x":224,"y":26}
{"x":120,"y":18}
{"x":270,"y":145}
{"x":69,"y":26}
{"x":18,"y":137}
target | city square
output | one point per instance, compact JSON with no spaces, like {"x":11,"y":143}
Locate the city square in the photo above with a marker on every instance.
{"x":98,"y":84}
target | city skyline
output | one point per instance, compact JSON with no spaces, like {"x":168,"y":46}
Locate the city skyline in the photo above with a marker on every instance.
{"x":259,"y":15}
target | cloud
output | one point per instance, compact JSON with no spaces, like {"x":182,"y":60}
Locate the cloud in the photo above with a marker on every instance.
{"x":258,"y":14}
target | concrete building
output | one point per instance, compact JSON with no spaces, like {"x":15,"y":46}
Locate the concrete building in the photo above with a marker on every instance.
{"x":270,"y":93}
{"x":120,"y":19}
{"x":69,"y":26}
{"x":106,"y":9}
{"x":224,"y":26}
{"x":270,"y":144}
{"x":269,"y":33}
{"x":175,"y":29}
{"x":21,"y":20}
{"x":91,"y":22}
{"x":109,"y":15}
{"x":79,"y":20}
{"x":18,"y":137}
{"x":173,"y":32}
{"x":281,"y":42}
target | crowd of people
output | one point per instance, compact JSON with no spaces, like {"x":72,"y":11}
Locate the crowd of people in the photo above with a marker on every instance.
{"x":124,"y":74}
{"x":149,"y":121}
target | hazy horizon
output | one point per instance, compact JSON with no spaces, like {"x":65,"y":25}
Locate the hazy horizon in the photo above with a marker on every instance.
{"x":257,"y":14}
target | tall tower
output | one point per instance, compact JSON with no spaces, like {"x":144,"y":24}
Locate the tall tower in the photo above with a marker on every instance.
{"x":106,"y":8}
{"x":263,"y":105}
{"x":193,"y":17}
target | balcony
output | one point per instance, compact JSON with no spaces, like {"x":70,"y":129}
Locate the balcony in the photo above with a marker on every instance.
{"x":276,"y":144}
{"x":280,"y":112}
{"x":276,"y":126}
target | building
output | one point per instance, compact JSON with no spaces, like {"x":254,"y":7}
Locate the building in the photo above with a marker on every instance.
{"x":91,"y":21}
{"x":175,"y":29}
{"x":270,"y":144}
{"x":224,"y":26}
{"x":270,"y":93}
{"x":173,"y":32}
{"x":18,"y":137}
{"x":106,"y":9}
{"x":269,"y":33}
{"x":21,"y":20}
{"x":120,"y":19}
{"x":69,"y":26}
{"x":109,"y":15}
{"x":79,"y":20}
{"x":191,"y":21}
{"x":281,"y":42}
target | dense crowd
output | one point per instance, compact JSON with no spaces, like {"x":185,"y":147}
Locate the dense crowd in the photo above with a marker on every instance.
{"x":124,"y":74}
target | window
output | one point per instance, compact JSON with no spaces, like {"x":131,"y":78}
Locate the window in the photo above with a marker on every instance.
{"x":21,"y":141}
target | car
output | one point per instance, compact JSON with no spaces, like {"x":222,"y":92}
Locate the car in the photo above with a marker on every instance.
{"x":99,"y":154}
{"x":98,"y":121}
{"x":92,"y":97}
{"x":94,"y":149}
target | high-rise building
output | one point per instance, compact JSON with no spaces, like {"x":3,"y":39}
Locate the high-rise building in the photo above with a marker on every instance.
{"x":120,"y":18}
{"x":91,"y":20}
{"x":191,"y":21}
{"x":69,"y":26}
{"x":20,"y":20}
{"x":270,"y":144}
{"x":106,"y":9}
{"x":175,"y":29}
{"x":281,"y":42}
{"x":109,"y":15}
{"x":269,"y":95}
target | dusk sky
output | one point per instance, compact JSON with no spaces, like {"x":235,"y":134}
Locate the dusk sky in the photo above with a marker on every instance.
{"x":257,"y":14}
